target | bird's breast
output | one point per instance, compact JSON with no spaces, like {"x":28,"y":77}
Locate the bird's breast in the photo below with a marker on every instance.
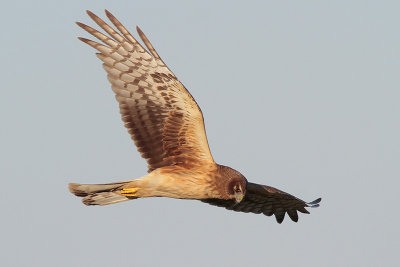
{"x":176,"y":182}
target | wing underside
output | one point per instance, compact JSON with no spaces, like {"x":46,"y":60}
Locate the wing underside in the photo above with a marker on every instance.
{"x":161,"y":116}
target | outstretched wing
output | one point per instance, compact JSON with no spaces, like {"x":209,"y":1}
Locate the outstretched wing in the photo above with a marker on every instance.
{"x":267,"y":200}
{"x":161,"y":116}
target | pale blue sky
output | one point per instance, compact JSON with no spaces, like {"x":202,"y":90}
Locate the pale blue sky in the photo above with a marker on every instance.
{"x":300,"y":95}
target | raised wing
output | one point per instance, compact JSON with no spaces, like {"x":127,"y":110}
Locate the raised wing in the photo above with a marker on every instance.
{"x":267,"y":200}
{"x":161,"y":116}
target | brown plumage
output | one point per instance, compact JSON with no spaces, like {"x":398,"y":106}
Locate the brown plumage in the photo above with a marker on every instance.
{"x":167,"y":127}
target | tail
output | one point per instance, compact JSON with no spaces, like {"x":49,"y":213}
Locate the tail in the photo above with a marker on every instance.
{"x":99,"y":194}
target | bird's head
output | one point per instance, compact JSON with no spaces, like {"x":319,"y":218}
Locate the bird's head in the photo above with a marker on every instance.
{"x":237,"y":189}
{"x":235,"y":183}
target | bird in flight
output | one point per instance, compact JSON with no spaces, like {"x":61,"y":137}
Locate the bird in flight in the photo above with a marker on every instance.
{"x":167,"y":126}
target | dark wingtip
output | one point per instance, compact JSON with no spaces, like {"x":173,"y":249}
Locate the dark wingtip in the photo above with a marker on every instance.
{"x":280,"y":216}
{"x":315,"y":203}
{"x":83,"y":39}
{"x":92,"y":15}
{"x":108,"y":13}
{"x":293,"y":215}
{"x":80,"y":24}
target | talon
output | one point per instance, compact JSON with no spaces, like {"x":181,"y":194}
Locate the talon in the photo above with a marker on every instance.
{"x":129,"y":192}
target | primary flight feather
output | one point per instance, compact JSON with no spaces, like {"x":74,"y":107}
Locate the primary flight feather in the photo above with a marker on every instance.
{"x":167,"y":127}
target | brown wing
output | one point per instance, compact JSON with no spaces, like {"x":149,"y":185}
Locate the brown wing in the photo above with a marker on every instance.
{"x":161,"y":116}
{"x":267,"y":200}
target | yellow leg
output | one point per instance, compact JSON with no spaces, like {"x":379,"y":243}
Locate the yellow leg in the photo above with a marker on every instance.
{"x":129,"y":192}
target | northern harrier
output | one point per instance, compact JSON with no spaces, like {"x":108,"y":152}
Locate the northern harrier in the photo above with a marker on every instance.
{"x":167,"y":127}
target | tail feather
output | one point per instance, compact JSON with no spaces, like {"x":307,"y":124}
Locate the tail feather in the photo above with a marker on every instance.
{"x":99,"y":194}
{"x":104,"y":198}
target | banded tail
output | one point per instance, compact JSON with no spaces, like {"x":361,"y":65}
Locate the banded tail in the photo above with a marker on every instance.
{"x":100,"y":194}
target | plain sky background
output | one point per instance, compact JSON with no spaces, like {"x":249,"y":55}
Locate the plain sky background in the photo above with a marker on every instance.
{"x":300,"y":95}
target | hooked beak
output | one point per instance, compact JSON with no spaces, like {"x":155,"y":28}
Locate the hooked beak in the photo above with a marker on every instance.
{"x":238,"y":196}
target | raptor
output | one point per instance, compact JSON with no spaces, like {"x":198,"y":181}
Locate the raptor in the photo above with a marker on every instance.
{"x":167,"y":127}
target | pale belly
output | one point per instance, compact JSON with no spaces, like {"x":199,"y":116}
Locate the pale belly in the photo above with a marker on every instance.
{"x":183,"y":185}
